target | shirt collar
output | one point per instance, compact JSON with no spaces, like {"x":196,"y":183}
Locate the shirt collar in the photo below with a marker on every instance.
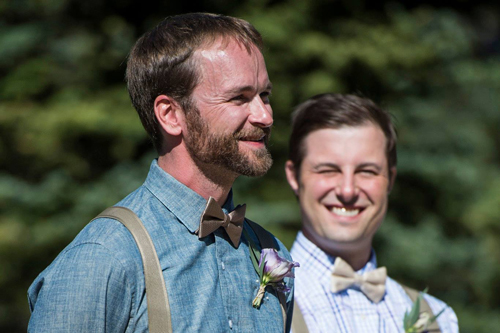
{"x":180,"y":200}
{"x":370,"y":265}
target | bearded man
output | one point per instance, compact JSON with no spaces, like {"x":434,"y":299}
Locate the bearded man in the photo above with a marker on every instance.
{"x":200,"y":86}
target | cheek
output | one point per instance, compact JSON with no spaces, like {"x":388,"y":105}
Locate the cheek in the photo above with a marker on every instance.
{"x":215,"y":113}
{"x":377,"y":189}
{"x":316,"y":188}
{"x":231,"y":117}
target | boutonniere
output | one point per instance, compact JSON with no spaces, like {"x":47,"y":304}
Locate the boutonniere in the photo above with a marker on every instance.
{"x":272,"y":269}
{"x":416,"y":322}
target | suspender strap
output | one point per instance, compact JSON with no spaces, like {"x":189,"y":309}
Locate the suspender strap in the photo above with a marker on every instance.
{"x":424,"y":307}
{"x":298,"y":322}
{"x":156,"y":292}
{"x":266,"y":240}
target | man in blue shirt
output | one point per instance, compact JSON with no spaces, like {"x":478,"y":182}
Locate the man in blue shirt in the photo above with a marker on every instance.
{"x":342,"y":166}
{"x":200,"y":86}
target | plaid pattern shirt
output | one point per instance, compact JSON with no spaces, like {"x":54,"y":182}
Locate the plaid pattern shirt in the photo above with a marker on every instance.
{"x":350,"y":310}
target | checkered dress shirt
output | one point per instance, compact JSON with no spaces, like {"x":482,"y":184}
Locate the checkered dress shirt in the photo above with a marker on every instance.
{"x":350,"y":310}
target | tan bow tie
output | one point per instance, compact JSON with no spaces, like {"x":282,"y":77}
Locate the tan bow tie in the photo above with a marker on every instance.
{"x":214,"y":217}
{"x":372,"y":283}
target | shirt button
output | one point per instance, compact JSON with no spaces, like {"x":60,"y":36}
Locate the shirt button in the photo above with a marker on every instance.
{"x":230,"y":322}
{"x":223,"y":266}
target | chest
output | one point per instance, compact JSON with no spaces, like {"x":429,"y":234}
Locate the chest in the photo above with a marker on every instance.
{"x":350,"y":311}
{"x":210,"y":286}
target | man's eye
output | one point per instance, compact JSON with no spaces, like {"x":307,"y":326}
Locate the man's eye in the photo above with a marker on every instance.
{"x":265,"y":96}
{"x":327,"y":171}
{"x":238,"y":98}
{"x":368,"y":172}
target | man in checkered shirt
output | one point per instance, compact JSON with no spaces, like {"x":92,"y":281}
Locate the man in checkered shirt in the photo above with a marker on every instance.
{"x":341,"y":167}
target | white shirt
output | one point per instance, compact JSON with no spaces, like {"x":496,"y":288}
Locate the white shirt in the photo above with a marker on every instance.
{"x":350,"y":311}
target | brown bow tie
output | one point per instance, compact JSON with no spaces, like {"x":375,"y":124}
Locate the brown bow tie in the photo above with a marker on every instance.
{"x":372,"y":283}
{"x":214,"y":217}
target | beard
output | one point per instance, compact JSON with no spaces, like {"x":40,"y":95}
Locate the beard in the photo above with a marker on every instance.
{"x":221,"y":149}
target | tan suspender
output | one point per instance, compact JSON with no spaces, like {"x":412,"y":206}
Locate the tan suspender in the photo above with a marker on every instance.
{"x":299,"y":325}
{"x":156,"y":293}
{"x":424,"y":307}
{"x":159,"y":317}
{"x":298,"y":322}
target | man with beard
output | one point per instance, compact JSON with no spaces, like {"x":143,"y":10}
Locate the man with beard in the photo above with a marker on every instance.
{"x":341,"y":167}
{"x":200,"y":85}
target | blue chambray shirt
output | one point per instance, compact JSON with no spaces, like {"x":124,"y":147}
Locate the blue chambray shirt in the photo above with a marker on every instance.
{"x":96,"y":284}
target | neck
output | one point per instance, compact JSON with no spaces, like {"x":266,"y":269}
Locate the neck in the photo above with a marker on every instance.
{"x":206,"y":180}
{"x":356,"y":255}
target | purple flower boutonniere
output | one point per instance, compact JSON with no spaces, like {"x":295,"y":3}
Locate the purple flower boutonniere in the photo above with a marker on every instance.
{"x":272,"y":269}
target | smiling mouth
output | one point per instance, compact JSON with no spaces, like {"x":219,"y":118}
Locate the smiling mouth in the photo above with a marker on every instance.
{"x":259,"y":139}
{"x":254,"y":139}
{"x":257,"y":135}
{"x":343,"y":211}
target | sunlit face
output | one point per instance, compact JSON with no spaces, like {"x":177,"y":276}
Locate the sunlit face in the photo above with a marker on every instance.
{"x":343,"y":185}
{"x":232,"y":120}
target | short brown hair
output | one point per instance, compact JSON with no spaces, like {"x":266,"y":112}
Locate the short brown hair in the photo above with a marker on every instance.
{"x":335,"y":111}
{"x":161,"y":61}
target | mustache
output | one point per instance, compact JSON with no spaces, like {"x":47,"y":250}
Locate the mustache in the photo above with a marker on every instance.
{"x":256,"y":133}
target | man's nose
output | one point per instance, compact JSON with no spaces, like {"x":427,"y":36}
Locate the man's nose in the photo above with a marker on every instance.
{"x":261,"y":113}
{"x":347,"y":190}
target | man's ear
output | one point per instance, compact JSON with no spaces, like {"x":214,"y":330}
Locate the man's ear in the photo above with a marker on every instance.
{"x":392,"y":178}
{"x":291,"y":176}
{"x":169,"y":114}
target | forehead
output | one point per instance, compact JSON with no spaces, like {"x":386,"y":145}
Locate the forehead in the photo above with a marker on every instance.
{"x":225,"y":57}
{"x":349,"y":144}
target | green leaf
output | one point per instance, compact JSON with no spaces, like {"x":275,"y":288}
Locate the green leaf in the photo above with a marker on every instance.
{"x":254,"y":252}
{"x":254,"y":262}
{"x":406,"y":322}
{"x":415,"y":311}
{"x":411,"y":318}
{"x":433,"y":318}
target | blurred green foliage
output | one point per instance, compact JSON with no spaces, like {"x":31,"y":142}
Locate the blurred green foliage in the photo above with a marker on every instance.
{"x":71,"y":144}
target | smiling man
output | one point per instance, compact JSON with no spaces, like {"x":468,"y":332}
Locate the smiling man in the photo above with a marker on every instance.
{"x":200,"y":85}
{"x":341,"y":167}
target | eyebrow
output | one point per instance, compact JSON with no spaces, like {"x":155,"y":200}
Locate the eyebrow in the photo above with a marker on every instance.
{"x":325,"y":164}
{"x":374,"y":165}
{"x":248,"y":88}
{"x":333,"y":165}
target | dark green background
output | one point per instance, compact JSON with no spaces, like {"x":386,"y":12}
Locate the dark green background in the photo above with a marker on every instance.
{"x":71,"y":144}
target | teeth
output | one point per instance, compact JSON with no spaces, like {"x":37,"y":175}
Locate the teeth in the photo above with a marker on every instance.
{"x":345,"y":212}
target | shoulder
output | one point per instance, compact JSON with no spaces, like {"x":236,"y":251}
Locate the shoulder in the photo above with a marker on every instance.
{"x":103,"y":248}
{"x":104,"y":237}
{"x":89,"y":279}
{"x":98,"y":275}
{"x":447,"y":320}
